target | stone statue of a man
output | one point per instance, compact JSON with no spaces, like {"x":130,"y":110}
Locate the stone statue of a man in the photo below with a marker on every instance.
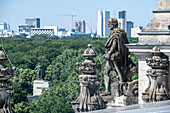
{"x":116,"y":55}
{"x":40,"y":71}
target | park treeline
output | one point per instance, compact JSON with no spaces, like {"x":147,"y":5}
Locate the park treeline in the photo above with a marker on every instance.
{"x":58,"y":57}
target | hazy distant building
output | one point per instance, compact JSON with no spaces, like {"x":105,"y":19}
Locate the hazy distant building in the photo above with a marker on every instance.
{"x":33,"y":21}
{"x":39,"y":31}
{"x":4,"y":26}
{"x":122,"y":20}
{"x":62,"y":32}
{"x":25,"y":28}
{"x":80,"y":26}
{"x":102,"y":25}
{"x":55,"y":28}
{"x":5,"y":30}
{"x":130,"y":25}
{"x":6,"y":33}
{"x":135,"y":31}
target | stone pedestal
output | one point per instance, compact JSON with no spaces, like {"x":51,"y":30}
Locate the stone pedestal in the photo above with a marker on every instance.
{"x":119,"y":102}
{"x":143,"y":51}
{"x":39,"y":85}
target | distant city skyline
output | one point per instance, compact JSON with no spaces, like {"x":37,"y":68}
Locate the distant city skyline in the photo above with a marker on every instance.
{"x":14,"y":12}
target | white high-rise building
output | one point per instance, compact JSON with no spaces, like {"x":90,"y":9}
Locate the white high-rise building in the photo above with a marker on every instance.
{"x":106,"y":16}
{"x":102,"y":25}
{"x":122,"y":20}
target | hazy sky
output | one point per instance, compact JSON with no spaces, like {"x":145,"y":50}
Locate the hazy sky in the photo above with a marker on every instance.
{"x":14,"y":12}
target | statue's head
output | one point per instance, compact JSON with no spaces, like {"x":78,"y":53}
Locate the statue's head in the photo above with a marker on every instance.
{"x":112,"y":23}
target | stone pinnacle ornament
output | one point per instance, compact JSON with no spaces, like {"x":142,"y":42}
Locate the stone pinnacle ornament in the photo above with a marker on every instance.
{"x":89,"y":98}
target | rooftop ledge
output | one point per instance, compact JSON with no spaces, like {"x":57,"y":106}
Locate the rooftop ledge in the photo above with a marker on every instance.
{"x":145,"y":48}
{"x":149,"y":44}
{"x":162,"y":11}
{"x":155,"y":33}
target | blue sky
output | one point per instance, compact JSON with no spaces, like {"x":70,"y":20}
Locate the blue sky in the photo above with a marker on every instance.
{"x":14,"y":12}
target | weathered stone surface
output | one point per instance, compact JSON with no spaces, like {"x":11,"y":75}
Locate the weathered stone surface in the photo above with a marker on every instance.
{"x":154,"y":38}
{"x":163,"y":4}
{"x":157,"y":29}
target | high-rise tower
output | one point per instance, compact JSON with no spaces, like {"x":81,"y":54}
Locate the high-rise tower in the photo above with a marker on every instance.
{"x":130,"y":25}
{"x":122,"y":20}
{"x":106,"y":16}
{"x":102,"y":25}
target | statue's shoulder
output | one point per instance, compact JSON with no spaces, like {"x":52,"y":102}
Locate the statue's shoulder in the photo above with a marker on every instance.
{"x":118,"y":30}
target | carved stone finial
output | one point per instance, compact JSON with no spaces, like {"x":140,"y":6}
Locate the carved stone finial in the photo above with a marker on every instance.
{"x":156,"y":90}
{"x":89,"y":53}
{"x":90,"y":83}
{"x":155,"y":49}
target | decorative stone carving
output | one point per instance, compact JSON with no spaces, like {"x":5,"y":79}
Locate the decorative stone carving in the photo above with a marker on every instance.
{"x":157,"y":76}
{"x":89,"y":98}
{"x":6,"y":88}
